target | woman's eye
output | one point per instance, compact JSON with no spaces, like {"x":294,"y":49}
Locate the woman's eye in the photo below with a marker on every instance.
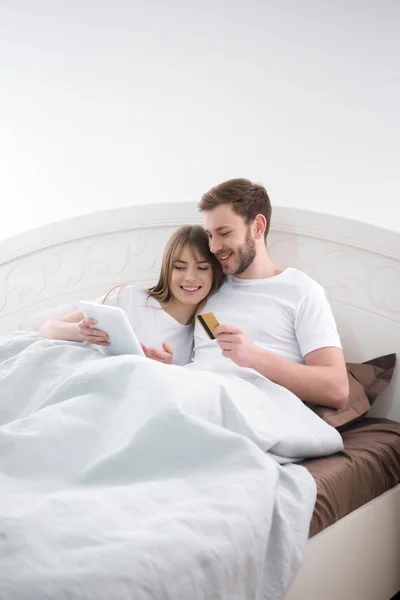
{"x":204,"y":268}
{"x":179,"y":268}
{"x":225,"y":234}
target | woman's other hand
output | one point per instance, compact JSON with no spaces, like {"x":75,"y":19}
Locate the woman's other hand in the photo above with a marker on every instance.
{"x":164,"y":356}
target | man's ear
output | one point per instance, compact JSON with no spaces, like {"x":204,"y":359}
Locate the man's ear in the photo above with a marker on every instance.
{"x":260,"y":224}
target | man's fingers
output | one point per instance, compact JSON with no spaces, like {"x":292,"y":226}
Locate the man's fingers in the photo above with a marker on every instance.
{"x":221,"y":329}
{"x":226,"y":346}
{"x":229,"y":338}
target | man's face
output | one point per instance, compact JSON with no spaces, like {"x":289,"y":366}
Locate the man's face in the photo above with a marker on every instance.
{"x":230,"y":239}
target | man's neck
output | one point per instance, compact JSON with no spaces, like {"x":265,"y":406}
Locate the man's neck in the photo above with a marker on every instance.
{"x":262,"y":267}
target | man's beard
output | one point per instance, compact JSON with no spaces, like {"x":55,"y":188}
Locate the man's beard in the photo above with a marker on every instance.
{"x":246,"y":254}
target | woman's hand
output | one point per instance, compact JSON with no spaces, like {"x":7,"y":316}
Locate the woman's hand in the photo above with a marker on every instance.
{"x":88,"y":333}
{"x":164,"y":356}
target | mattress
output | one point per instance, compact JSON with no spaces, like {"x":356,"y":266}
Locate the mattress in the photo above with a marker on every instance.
{"x":368,"y":466}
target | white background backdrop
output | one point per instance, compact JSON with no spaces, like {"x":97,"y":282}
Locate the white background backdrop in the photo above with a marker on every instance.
{"x":119,"y":102}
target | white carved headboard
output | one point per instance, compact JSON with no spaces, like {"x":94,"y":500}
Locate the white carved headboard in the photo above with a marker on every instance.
{"x":82,"y":257}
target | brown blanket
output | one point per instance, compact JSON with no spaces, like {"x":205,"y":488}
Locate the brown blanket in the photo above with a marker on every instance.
{"x":368,"y":466}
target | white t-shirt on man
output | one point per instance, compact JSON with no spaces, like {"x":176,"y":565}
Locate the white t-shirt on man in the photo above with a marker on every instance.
{"x":151,"y":323}
{"x":287,"y":314}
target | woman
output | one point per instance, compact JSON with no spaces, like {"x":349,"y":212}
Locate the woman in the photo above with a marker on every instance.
{"x":162,"y":316}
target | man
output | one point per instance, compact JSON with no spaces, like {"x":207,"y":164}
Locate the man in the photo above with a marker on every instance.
{"x":279,"y":321}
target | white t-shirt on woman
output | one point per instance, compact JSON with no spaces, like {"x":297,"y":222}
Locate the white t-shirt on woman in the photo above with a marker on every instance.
{"x":151,"y":323}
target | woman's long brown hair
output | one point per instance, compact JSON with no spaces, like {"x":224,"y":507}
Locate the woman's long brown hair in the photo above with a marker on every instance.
{"x":195,"y":238}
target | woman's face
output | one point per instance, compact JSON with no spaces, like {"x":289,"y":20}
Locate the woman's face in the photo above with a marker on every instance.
{"x":191,"y":278}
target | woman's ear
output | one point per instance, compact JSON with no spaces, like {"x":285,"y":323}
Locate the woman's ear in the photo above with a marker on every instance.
{"x":260,"y":224}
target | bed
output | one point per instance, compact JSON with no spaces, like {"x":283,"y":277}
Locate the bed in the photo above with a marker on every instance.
{"x":359,"y":267}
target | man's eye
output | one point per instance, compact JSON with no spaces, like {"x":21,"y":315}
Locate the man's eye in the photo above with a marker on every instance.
{"x":225,"y":234}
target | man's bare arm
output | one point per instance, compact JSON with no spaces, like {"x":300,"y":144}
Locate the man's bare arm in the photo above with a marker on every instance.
{"x":322,"y":380}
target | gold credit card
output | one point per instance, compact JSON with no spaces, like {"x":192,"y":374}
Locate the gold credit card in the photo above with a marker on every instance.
{"x":209,"y":323}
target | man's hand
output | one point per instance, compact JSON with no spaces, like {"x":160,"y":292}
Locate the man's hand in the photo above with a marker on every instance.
{"x":236,"y":345}
{"x":164,"y":356}
{"x":321,"y":380}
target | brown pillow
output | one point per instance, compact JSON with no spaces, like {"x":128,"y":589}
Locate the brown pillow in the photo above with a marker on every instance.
{"x":366,"y":381}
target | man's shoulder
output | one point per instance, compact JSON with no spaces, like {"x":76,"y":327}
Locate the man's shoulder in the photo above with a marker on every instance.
{"x":297,"y":286}
{"x":290,"y":287}
{"x":300,"y":280}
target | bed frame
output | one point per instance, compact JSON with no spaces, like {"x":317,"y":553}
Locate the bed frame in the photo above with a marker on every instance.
{"x":357,"y":558}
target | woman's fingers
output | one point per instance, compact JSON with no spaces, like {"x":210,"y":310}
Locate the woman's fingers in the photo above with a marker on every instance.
{"x":90,"y":334}
{"x":146,"y":351}
{"x":167,"y":348}
{"x":88,"y":323}
{"x":157,"y":354}
{"x":94,"y":335}
{"x":160,"y":356}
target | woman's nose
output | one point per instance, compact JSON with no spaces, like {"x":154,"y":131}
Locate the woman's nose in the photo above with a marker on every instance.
{"x":190,"y":276}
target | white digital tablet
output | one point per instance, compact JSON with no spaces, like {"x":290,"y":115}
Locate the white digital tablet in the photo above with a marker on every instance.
{"x":115,"y":323}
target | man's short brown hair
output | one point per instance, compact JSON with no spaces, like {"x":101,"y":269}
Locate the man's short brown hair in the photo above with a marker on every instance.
{"x":247,"y":199}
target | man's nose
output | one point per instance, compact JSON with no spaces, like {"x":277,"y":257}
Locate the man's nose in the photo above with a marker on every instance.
{"x":215,"y":245}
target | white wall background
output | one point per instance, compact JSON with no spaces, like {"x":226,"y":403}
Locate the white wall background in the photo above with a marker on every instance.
{"x":113,"y":103}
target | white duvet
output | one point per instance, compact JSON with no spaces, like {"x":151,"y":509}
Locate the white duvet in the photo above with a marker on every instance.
{"x":122,"y":478}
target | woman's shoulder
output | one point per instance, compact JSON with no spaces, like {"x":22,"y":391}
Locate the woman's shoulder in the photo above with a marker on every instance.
{"x":126,"y":294}
{"x":134,"y":295}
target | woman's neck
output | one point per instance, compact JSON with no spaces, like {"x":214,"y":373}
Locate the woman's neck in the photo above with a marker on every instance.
{"x":180,"y":312}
